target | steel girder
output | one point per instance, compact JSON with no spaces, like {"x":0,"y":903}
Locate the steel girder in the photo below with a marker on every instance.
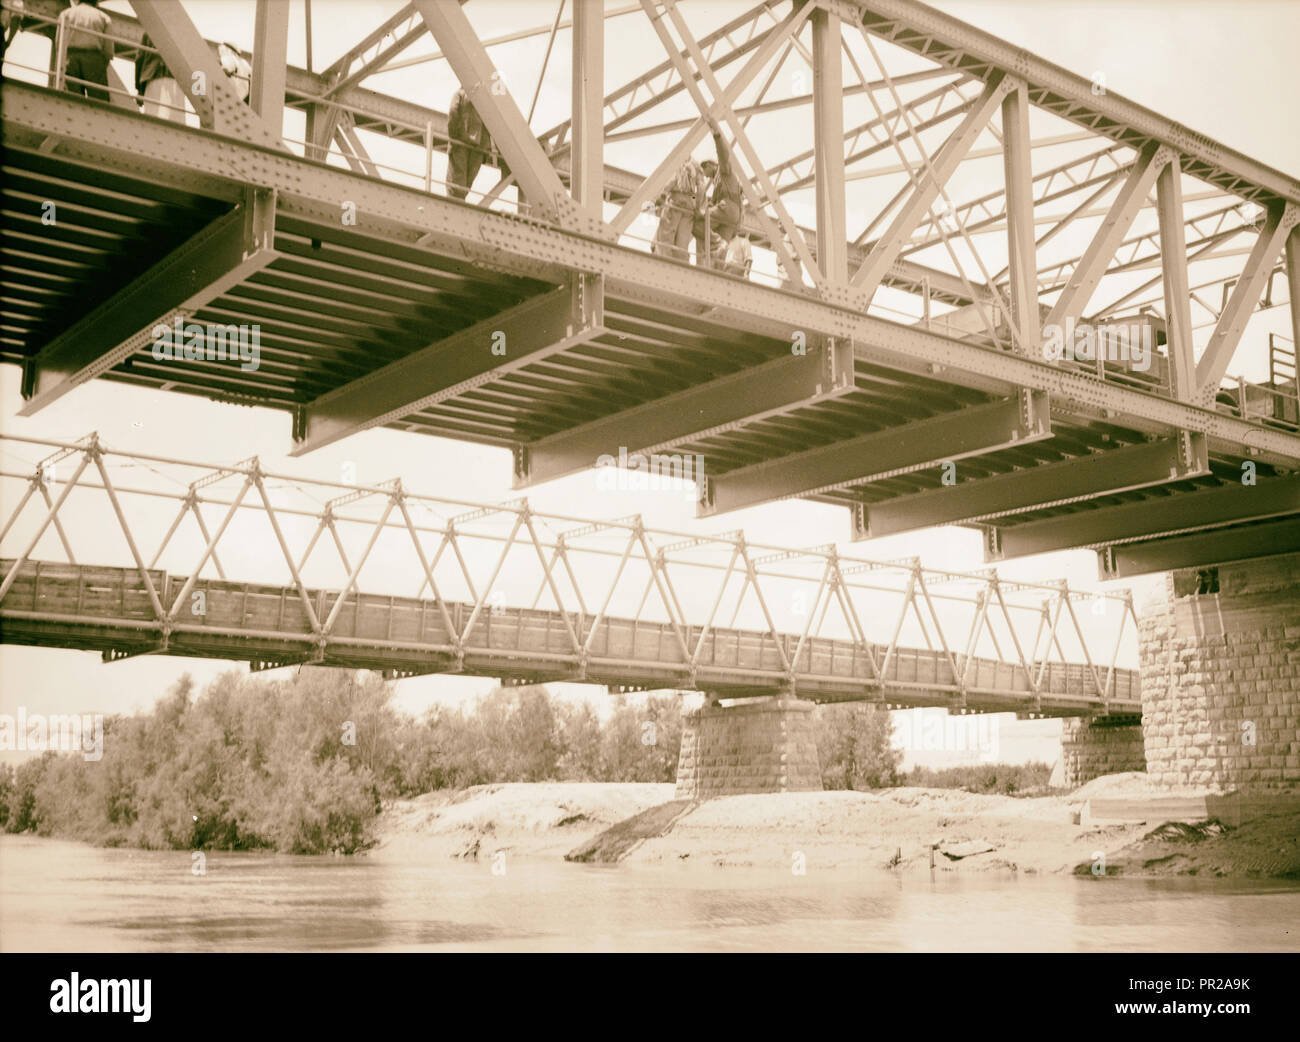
{"x":190,"y":159}
{"x":404,"y":120}
{"x":953,"y":43}
{"x":1199,"y":549}
{"x":870,"y":457}
{"x":220,"y":256}
{"x":270,"y":45}
{"x":728,"y":403}
{"x":526,"y":333}
{"x":1171,"y":515}
{"x":1041,"y":486}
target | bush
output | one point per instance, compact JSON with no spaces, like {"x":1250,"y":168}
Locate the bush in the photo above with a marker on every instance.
{"x":854,"y":744}
{"x":1004,"y":778}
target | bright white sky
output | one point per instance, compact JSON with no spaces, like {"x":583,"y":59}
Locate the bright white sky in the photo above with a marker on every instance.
{"x":1209,"y":66}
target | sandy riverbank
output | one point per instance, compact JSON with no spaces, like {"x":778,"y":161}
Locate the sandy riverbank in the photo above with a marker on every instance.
{"x":890,"y":829}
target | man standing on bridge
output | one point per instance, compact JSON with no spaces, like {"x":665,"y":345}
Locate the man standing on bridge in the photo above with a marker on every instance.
{"x":680,"y":205}
{"x":83,"y":28}
{"x":468,"y":144}
{"x":723,"y":215}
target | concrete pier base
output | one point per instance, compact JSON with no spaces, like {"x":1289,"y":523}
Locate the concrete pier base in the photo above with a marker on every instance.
{"x":1221,"y":678}
{"x":767,"y":746}
{"x":1105,"y":745}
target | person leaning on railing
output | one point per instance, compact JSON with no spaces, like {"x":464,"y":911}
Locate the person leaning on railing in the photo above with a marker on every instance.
{"x":89,"y":51}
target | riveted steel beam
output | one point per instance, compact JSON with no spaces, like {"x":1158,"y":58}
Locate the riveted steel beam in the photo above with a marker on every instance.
{"x":200,"y":75}
{"x":828,"y":145}
{"x":1178,"y":298}
{"x":549,"y":323}
{"x":880,"y":454}
{"x":1200,"y":549}
{"x":1171,"y":515}
{"x":1041,"y":486}
{"x":222,"y":255}
{"x":1022,"y":262}
{"x":270,"y":45}
{"x":951,"y":42}
{"x":727,"y":403}
{"x":588,"y":88}
{"x":187,"y":158}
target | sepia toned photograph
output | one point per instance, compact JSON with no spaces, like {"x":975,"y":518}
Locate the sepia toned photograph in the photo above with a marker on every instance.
{"x":628,"y":476}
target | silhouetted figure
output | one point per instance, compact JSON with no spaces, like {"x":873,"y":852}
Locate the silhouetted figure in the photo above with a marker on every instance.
{"x":88,"y":54}
{"x":468,"y":145}
{"x":159,"y":93}
{"x":679,"y":206}
{"x":723,"y":215}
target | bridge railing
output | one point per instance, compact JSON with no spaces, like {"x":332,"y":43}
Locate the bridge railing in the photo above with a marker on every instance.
{"x":328,"y":562}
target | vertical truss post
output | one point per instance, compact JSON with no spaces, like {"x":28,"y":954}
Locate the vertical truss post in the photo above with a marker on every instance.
{"x":587,"y":169}
{"x":1213,"y":364}
{"x":1178,"y":297}
{"x":1293,"y":283}
{"x":1022,"y":254}
{"x":828,"y":143}
{"x":270,"y":62}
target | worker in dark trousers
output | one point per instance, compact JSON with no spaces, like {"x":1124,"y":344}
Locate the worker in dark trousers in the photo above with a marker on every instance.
{"x":468,"y":145}
{"x":680,"y":204}
{"x":723,"y":215}
{"x":88,"y":53}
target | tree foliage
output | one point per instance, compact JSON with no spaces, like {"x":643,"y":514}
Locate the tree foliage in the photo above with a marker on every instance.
{"x":854,"y":744}
{"x":302,"y":765}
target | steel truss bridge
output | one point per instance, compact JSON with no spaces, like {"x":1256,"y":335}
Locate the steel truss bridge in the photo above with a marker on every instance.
{"x":235,"y":562}
{"x":906,"y":337}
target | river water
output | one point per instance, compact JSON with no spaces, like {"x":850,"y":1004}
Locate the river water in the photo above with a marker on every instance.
{"x":61,"y":896}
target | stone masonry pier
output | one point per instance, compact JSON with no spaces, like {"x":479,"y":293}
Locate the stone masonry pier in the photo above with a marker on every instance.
{"x":1220,"y":659}
{"x":765,"y":746}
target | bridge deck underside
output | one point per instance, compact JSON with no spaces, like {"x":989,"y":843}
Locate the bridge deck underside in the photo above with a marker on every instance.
{"x":108,"y":609}
{"x":335,"y":305}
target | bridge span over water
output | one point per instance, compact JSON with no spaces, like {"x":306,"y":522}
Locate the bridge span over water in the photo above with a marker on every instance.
{"x":238,"y":563}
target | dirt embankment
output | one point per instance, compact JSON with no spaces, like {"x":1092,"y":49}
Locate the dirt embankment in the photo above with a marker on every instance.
{"x":546,"y":819}
{"x":901,"y":829}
